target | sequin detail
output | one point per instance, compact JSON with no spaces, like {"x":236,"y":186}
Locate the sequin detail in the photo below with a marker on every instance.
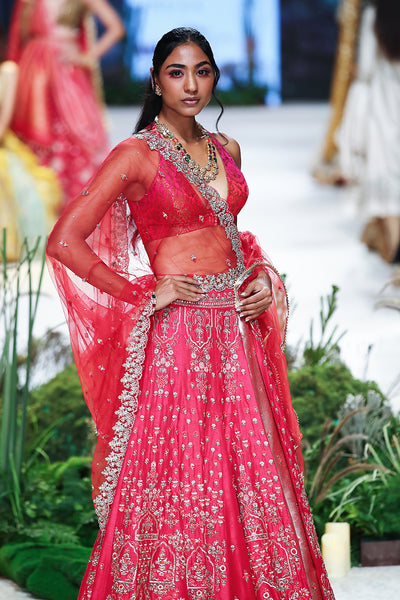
{"x":126,"y":414}
{"x":219,"y":206}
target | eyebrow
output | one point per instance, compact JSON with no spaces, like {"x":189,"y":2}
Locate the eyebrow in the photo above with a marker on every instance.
{"x":200,"y":64}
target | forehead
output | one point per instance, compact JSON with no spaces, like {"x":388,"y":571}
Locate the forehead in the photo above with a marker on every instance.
{"x":188,"y":53}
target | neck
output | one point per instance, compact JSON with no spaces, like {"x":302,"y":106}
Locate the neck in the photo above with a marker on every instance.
{"x":183,"y":127}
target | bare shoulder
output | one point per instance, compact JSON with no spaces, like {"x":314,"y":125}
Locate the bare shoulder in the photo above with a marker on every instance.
{"x":231,"y":146}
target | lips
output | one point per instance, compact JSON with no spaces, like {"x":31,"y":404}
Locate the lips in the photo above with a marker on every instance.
{"x":191,"y":101}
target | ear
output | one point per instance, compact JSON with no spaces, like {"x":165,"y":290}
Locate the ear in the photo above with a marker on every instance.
{"x":152,"y":76}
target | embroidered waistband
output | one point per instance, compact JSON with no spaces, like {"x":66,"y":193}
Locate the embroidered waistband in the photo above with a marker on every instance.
{"x":219,"y":281}
{"x":225,"y":299}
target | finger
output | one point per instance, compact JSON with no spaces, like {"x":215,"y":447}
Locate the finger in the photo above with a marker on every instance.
{"x":185,"y":278}
{"x":264,"y":294}
{"x":253,"y":314}
{"x":182,"y":287}
{"x":258,"y":307}
{"x":181,"y":278}
{"x":188,"y":292}
{"x":250,"y":289}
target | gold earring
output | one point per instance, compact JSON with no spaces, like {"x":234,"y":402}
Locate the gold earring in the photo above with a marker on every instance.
{"x":157,"y":90}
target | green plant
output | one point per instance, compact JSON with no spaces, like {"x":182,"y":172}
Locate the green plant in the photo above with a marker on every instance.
{"x":56,"y":505}
{"x":51,"y":573}
{"x":389,"y":455}
{"x":15,"y":392}
{"x":332,"y":449}
{"x":318,"y":393}
{"x":327,"y":348}
{"x":370,"y":502}
{"x":60,"y":403}
{"x":371,"y":422}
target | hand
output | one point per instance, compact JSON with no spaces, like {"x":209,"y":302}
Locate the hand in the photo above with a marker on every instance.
{"x":177,"y":287}
{"x":256,"y":298}
{"x":70,"y":54}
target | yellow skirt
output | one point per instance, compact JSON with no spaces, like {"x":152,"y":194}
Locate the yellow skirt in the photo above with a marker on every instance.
{"x":30,"y":196}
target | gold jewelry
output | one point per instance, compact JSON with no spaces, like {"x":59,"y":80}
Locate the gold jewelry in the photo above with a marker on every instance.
{"x":207,"y":173}
{"x":157,"y":90}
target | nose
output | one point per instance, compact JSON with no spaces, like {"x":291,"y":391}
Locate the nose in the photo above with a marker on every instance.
{"x":190,"y":83}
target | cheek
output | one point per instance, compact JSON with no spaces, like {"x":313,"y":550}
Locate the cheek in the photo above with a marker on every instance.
{"x":170,"y":84}
{"x":207,"y":85}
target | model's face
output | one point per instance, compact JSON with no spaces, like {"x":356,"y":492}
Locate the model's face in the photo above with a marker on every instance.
{"x":186,"y":79}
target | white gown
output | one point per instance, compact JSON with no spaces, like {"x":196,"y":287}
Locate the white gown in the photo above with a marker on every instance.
{"x":369,"y":136}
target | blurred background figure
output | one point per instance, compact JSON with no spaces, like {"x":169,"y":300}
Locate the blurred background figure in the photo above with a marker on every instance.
{"x":59,"y":113}
{"x":369,"y":137}
{"x":348,"y":16}
{"x":30,"y":195}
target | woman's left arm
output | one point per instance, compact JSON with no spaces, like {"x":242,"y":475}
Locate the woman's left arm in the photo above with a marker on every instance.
{"x":114,"y":31}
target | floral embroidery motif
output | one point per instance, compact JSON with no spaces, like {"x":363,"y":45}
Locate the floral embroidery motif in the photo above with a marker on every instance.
{"x":202,"y":511}
{"x":126,"y":415}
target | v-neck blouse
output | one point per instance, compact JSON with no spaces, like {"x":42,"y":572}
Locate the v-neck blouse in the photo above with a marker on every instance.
{"x":177,"y":201}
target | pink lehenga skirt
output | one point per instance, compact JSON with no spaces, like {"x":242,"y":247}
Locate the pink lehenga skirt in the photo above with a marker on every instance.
{"x":210,"y":502}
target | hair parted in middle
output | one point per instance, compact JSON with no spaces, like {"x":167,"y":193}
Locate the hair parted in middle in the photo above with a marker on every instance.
{"x":169,"y":41}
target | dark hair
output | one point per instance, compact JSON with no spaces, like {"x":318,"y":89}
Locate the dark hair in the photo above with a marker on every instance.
{"x":387,"y":27}
{"x":169,"y":41}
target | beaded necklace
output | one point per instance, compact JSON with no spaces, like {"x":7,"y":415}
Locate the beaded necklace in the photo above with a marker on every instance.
{"x":207,"y":173}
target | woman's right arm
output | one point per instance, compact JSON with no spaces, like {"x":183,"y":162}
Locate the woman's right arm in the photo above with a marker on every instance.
{"x":67,"y":242}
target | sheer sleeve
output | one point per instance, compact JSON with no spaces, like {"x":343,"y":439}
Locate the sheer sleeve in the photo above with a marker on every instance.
{"x":81,"y":240}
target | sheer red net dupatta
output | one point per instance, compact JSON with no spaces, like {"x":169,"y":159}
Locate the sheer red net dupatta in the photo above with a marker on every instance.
{"x":273,"y":323}
{"x":108,"y":339}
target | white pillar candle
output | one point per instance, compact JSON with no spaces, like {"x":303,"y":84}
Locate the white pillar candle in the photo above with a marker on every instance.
{"x":334,"y":554}
{"x":342,"y":530}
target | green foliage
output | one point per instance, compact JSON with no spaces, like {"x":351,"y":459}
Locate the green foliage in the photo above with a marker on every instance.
{"x":130,"y":92}
{"x":14,"y":387}
{"x":319,"y":391}
{"x":369,"y":502}
{"x":15,"y":392}
{"x":370,"y":505}
{"x":332,"y":449}
{"x":243,"y":95}
{"x":370,"y":421}
{"x":328,"y":346}
{"x":55,"y":504}
{"x":60,"y":402}
{"x":387,"y":507}
{"x":48,"y":571}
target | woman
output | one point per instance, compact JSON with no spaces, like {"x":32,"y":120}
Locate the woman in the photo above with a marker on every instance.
{"x":369,"y":139}
{"x":326,"y":170}
{"x":30,"y":195}
{"x":197,"y":473}
{"x":59,"y":112}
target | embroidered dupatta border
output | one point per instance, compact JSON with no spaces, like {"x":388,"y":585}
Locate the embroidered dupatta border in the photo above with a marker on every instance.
{"x":125,"y":414}
{"x":217,"y":204}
